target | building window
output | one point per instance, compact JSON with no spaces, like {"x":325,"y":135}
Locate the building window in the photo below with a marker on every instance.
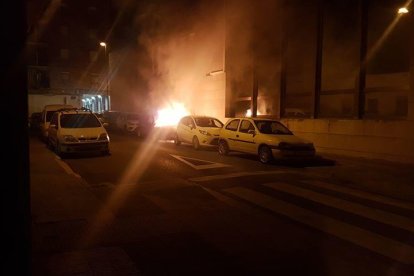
{"x":372,"y":106}
{"x":92,"y":34}
{"x":93,"y":55}
{"x":401,"y":106}
{"x":65,"y":77}
{"x":64,"y":30}
{"x":64,"y":53}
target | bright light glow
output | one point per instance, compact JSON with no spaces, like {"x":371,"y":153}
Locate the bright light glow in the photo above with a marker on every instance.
{"x":249,"y":113}
{"x":83,"y":100}
{"x":93,"y":98}
{"x":171,"y":115}
{"x":99,"y":96}
{"x":103,"y":44}
{"x":402,"y":10}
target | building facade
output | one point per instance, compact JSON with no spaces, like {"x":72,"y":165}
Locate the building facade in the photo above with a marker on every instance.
{"x":339,"y":73}
{"x":64,"y":54}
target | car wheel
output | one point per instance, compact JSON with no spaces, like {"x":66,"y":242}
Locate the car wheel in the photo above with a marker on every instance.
{"x":177,"y":141}
{"x":196,"y":143}
{"x":265,"y":154}
{"x":223,"y":148}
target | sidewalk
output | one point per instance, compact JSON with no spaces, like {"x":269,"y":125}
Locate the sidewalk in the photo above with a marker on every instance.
{"x":61,"y":207}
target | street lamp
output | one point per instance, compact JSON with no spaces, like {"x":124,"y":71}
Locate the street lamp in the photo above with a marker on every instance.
{"x":402,"y":10}
{"x":103,"y":44}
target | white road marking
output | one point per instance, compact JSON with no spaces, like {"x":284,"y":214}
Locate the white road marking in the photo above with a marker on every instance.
{"x":67,"y":168}
{"x":361,"y":194}
{"x":231,"y":175}
{"x":351,"y":207}
{"x":385,"y":246}
{"x":213,"y":165}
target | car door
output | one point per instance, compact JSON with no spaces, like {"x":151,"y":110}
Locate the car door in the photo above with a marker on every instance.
{"x":245,"y":141}
{"x":231,"y":132}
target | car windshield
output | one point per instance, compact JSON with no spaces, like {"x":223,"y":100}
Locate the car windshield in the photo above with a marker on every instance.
{"x":208,"y":122}
{"x":79,"y":121}
{"x":272,"y":127}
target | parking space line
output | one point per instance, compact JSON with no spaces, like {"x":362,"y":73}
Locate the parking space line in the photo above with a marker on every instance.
{"x":351,"y":207}
{"x":387,"y":247}
{"x":231,"y":175}
{"x":213,"y":165}
{"x":361,"y":194}
{"x":67,"y":168}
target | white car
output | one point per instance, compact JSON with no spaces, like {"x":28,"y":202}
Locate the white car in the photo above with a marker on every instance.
{"x":198,"y":131}
{"x":77,"y":130}
{"x":265,"y":138}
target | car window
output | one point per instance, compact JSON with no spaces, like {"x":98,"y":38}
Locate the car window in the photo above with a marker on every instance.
{"x":208,"y":122}
{"x":233,"y":125}
{"x":79,"y":121}
{"x":54,"y":119}
{"x":245,"y":126}
{"x":272,"y":127}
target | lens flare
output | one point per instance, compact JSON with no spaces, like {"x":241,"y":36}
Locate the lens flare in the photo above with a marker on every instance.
{"x":171,"y":115}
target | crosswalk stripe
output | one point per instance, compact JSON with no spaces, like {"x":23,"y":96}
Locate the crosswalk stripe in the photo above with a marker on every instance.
{"x":361,"y":194}
{"x":230,"y":175}
{"x":393,"y":249}
{"x":351,"y":207}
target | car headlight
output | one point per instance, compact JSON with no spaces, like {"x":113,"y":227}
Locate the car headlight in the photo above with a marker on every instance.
{"x":204,"y":132}
{"x":103,"y":137}
{"x":70,"y":138}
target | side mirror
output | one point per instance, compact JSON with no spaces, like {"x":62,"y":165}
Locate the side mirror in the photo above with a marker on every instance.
{"x":252,"y":131}
{"x":54,"y":126}
{"x":105,"y":124}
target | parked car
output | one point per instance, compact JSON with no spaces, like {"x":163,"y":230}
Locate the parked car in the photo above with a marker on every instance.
{"x":34,"y":121}
{"x":266,"y":138}
{"x":110,"y":117}
{"x":139,"y":124}
{"x":77,"y":130}
{"x":198,"y":131}
{"x":47,"y":114}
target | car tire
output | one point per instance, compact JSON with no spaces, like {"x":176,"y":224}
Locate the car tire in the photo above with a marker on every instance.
{"x":177,"y":141}
{"x":196,"y":143}
{"x":223,"y":148}
{"x":265,"y":155}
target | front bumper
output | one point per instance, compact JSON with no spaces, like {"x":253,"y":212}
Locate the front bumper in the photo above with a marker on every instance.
{"x":85,"y":147}
{"x":209,"y":140}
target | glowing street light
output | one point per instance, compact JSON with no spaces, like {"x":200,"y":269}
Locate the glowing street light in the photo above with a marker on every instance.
{"x":402,"y":10}
{"x":103,"y":44}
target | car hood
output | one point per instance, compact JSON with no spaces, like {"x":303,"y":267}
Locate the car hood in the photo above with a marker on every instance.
{"x":212,"y":130}
{"x":83,"y":132}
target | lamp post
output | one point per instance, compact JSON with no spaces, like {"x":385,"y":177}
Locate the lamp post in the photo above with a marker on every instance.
{"x":103,"y":44}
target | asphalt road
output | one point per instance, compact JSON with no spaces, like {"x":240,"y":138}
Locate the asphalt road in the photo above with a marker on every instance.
{"x":176,"y":210}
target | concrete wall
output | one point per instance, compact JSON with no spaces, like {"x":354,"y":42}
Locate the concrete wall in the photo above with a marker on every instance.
{"x":37,"y":102}
{"x":388,"y":140}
